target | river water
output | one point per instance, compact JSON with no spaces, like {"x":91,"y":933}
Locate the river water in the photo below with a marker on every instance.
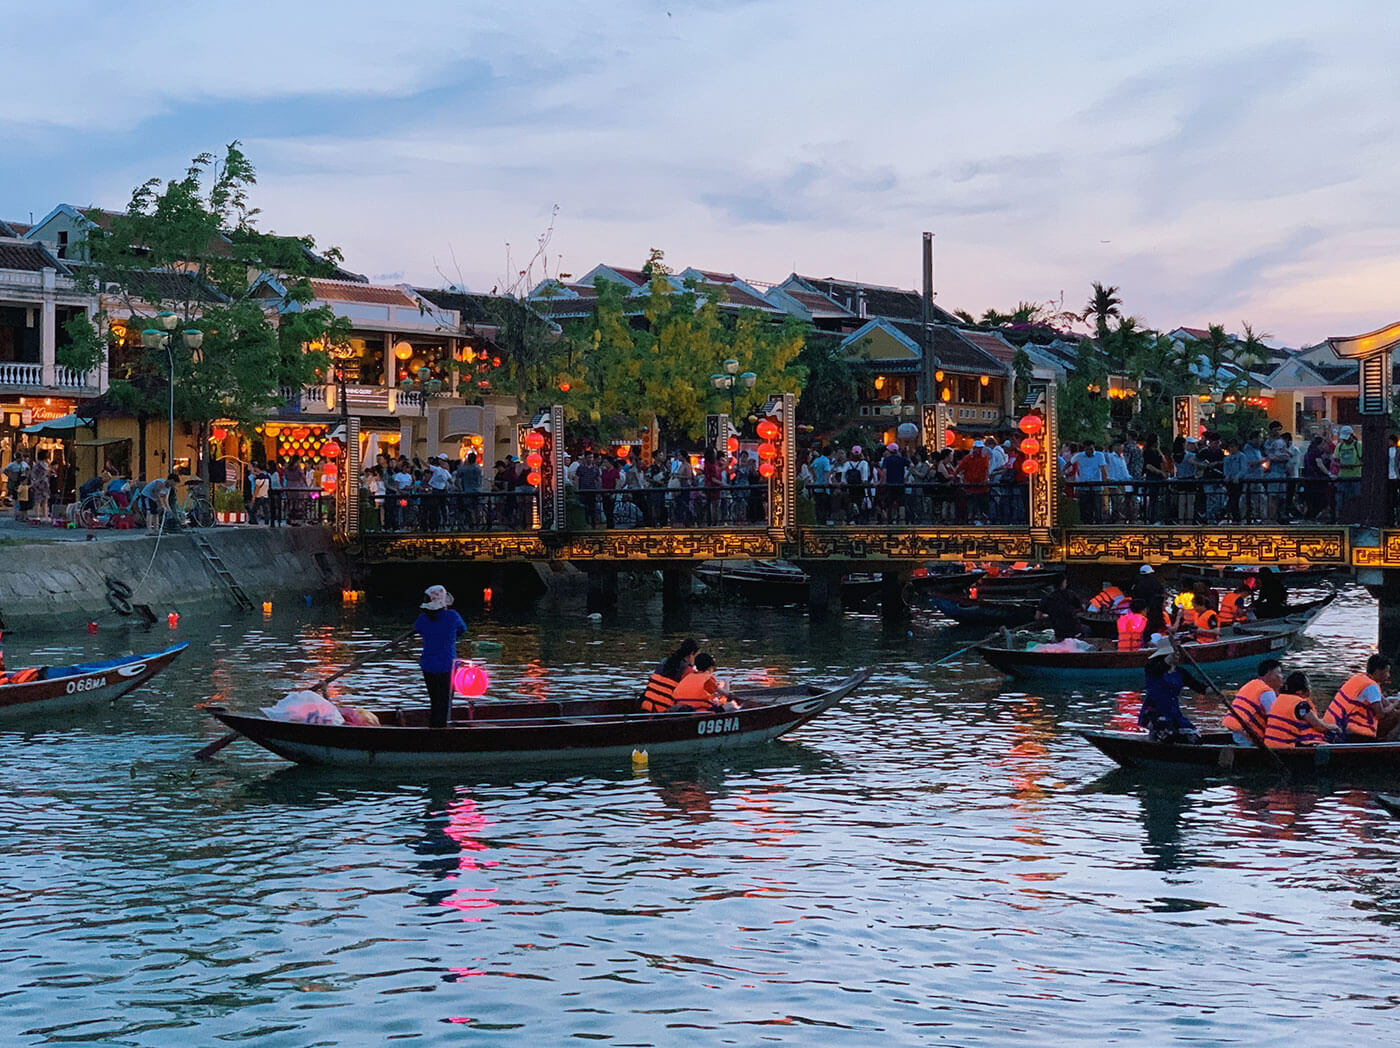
{"x":939,"y":861}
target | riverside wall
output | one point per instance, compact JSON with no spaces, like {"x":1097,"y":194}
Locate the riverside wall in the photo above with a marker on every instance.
{"x":58,"y":583}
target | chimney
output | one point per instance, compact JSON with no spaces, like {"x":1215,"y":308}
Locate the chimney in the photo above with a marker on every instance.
{"x":928,"y":392}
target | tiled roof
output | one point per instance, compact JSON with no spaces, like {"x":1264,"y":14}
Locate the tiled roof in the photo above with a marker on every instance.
{"x":163,"y":285}
{"x":817,"y":304}
{"x":992,"y":343}
{"x":895,"y":303}
{"x":352,"y":291}
{"x":559,"y":308}
{"x":735,"y":296}
{"x":28,"y":256}
{"x":954,"y":350}
{"x":18,"y":229}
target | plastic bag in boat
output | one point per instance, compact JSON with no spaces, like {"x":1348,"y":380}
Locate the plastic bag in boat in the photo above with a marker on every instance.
{"x":305,"y":707}
{"x":359,"y":716}
{"x":1068,"y":644}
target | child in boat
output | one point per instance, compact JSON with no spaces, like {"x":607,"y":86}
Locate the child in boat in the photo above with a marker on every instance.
{"x":699,"y":691}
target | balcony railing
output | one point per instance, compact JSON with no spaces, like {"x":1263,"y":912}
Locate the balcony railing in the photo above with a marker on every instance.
{"x":312,"y":399}
{"x":31,"y":376}
{"x":67,"y":378}
{"x":21,"y":374}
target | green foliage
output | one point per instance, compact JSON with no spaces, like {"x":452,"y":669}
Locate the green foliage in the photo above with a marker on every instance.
{"x":1083,"y":407}
{"x":654,"y":369}
{"x":227,"y":500}
{"x":831,"y":394}
{"x":1102,"y":306}
{"x":85,"y":349}
{"x":1024,"y":372}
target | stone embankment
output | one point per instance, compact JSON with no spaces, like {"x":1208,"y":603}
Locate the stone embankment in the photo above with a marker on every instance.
{"x":57,"y":583}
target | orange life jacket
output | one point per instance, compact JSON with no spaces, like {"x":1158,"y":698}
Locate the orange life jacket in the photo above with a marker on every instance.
{"x":1232,"y":609}
{"x":1247,"y":712}
{"x":1286,"y":730}
{"x":696,"y":691}
{"x":23,"y":676}
{"x":1131,"y":626}
{"x":1348,"y":712}
{"x":1207,"y":626}
{"x":1106,"y":599}
{"x":660,"y":693}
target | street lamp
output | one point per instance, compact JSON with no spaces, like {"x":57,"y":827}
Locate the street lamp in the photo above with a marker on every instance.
{"x":160,"y":338}
{"x":730,"y":380}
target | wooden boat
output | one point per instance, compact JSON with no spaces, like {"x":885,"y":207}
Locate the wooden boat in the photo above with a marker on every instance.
{"x":1236,"y":652}
{"x":1390,"y":802}
{"x":594,"y":729}
{"x":59,"y":689}
{"x":1105,"y":623}
{"x":975,"y":611}
{"x":1291,"y":577}
{"x":777,"y":582}
{"x":1218,"y":753}
{"x":1008,"y":583}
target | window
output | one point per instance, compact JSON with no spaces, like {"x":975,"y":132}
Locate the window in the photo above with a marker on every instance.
{"x":63,"y":243}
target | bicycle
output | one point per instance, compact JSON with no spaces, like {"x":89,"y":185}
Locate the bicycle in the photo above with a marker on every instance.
{"x":196,"y":511}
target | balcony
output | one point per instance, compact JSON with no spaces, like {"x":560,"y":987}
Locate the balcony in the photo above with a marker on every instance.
{"x":359,"y":400}
{"x":29,"y":378}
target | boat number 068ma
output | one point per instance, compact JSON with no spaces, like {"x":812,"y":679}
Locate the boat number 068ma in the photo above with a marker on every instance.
{"x":86,"y":684}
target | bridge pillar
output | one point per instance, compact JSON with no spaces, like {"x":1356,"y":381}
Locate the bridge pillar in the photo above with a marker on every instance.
{"x":893,"y":609}
{"x":675,"y":590}
{"x":602,"y":590}
{"x":1387,"y":596}
{"x":823,"y":591}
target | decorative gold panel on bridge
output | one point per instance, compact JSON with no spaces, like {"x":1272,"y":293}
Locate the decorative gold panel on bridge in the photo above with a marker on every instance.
{"x":1386,"y":555}
{"x":916,"y":544}
{"x":632,"y":544}
{"x":1289,"y":545}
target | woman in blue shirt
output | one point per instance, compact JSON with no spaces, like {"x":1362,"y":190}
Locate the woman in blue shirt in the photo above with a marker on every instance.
{"x":439,"y":626}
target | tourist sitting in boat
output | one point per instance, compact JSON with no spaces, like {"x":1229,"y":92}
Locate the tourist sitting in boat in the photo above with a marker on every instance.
{"x":1132,"y":627}
{"x":699,"y":692}
{"x":1271,"y":600}
{"x":1233,"y":606}
{"x":1249,"y":709}
{"x":439,"y":626}
{"x":1207,"y":624}
{"x":1359,"y":705}
{"x":1110,"y":598}
{"x":659,"y":695}
{"x":1061,"y":608}
{"x":1161,"y":698}
{"x":1292,"y":721}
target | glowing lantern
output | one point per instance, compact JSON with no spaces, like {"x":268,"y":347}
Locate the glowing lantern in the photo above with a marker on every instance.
{"x":938,"y":376}
{"x":534,"y":460}
{"x":495,"y":362}
{"x":1030,"y":446}
{"x":330,"y":449}
{"x":533,"y":479}
{"x":768,"y":429}
{"x":563,"y":387}
{"x":470,"y":679}
{"x":947,"y":394}
{"x":732,"y":445}
{"x":1031,"y":425}
{"x":767,"y":452}
{"x":984,"y":380}
{"x":220,"y":433}
{"x":403,"y":351}
{"x":1030,"y":466}
{"x":624,"y":450}
{"x":766,"y":470}
{"x":485,"y":383}
{"x":950,"y":437}
{"x":534,"y":440}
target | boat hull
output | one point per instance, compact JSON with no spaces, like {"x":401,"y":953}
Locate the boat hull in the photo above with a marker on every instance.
{"x":1105,"y":623}
{"x":541,"y":731}
{"x":757,"y":586}
{"x":1217,"y":755}
{"x":77,"y":687}
{"x":969,"y":612}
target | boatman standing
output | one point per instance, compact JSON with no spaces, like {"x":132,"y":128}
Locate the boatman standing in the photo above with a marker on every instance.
{"x":1149,"y":590}
{"x":1248,"y":719}
{"x":439,"y":626}
{"x":1358,"y":706}
{"x":1161,"y":698}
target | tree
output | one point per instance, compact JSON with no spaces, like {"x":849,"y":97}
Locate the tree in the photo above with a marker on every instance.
{"x":831,"y":394}
{"x":189,"y":247}
{"x":1103,"y":305}
{"x":1083,"y":408}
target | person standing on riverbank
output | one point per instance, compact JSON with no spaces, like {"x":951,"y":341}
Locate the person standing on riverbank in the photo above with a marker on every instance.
{"x":439,"y":626}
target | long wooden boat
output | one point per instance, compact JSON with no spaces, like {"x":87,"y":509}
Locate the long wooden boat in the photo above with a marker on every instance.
{"x":975,"y":611}
{"x":777,"y":583}
{"x":595,"y":729}
{"x":1028,"y":580}
{"x":59,"y":689}
{"x":1238,"y":652}
{"x":1291,"y":577}
{"x":1105,"y":623}
{"x":1218,"y":753}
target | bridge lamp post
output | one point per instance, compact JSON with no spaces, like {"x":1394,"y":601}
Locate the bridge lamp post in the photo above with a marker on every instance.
{"x":159,"y":337}
{"x":731,"y":380}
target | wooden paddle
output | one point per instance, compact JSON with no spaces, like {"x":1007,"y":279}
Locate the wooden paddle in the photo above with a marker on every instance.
{"x":1274,"y":758}
{"x":214,"y":747}
{"x":977,"y":643}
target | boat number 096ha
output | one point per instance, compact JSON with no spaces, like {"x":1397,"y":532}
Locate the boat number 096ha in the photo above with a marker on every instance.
{"x":85,"y":684}
{"x":714,"y":727}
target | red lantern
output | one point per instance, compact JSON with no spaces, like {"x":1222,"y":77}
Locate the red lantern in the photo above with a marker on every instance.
{"x":767,"y":452}
{"x":485,"y":383}
{"x":1031,"y":425}
{"x":495,"y":362}
{"x":470,"y":679}
{"x":563,"y":387}
{"x":534,"y":440}
{"x":950,"y":437}
{"x":533,"y":479}
{"x":219,"y":433}
{"x":732,"y":445}
{"x":534,"y":460}
{"x":1030,"y":446}
{"x":768,"y":430}
{"x":330,"y":449}
{"x":624,"y":450}
{"x":766,"y":470}
{"x":1030,"y":467}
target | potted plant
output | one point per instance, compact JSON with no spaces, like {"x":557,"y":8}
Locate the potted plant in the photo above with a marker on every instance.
{"x":229,"y":507}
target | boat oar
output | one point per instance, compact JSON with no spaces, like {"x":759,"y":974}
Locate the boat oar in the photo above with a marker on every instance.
{"x":977,"y":643}
{"x":1259,"y":743}
{"x":214,"y":747}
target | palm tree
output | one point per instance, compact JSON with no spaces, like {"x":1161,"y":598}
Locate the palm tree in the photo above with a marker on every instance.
{"x":1103,"y":304}
{"x":1251,"y":353}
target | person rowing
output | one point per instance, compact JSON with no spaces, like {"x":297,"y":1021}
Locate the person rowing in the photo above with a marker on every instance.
{"x":439,"y":626}
{"x":699,"y":692}
{"x":1161,"y":698}
{"x":660,"y":692}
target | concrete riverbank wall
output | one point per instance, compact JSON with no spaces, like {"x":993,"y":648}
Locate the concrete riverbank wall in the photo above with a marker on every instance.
{"x":59,"y":583}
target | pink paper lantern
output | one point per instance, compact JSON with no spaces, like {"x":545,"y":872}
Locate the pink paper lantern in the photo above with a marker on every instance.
{"x":470,"y":679}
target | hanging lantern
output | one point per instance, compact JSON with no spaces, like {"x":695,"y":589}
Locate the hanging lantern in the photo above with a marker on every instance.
{"x":946,"y":395}
{"x":1030,"y":446}
{"x":330,"y":449}
{"x":403,"y":351}
{"x":938,"y":376}
{"x":220,"y":434}
{"x":470,"y":679}
{"x":495,"y":362}
{"x":950,"y":437}
{"x":767,"y":452}
{"x":766,"y":470}
{"x":563,"y":387}
{"x":533,"y":479}
{"x":732,"y":445}
{"x":1031,"y":425}
{"x":1030,"y":467}
{"x":624,"y":450}
{"x":768,"y":430}
{"x":985,"y":379}
{"x":485,"y":383}
{"x":534,"y":460}
{"x":534,"y":440}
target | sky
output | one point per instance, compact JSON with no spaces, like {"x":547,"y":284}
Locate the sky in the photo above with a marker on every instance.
{"x":1219,"y":162}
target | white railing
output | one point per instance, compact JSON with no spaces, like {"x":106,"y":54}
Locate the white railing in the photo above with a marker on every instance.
{"x":67,"y":378}
{"x":21,"y":374}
